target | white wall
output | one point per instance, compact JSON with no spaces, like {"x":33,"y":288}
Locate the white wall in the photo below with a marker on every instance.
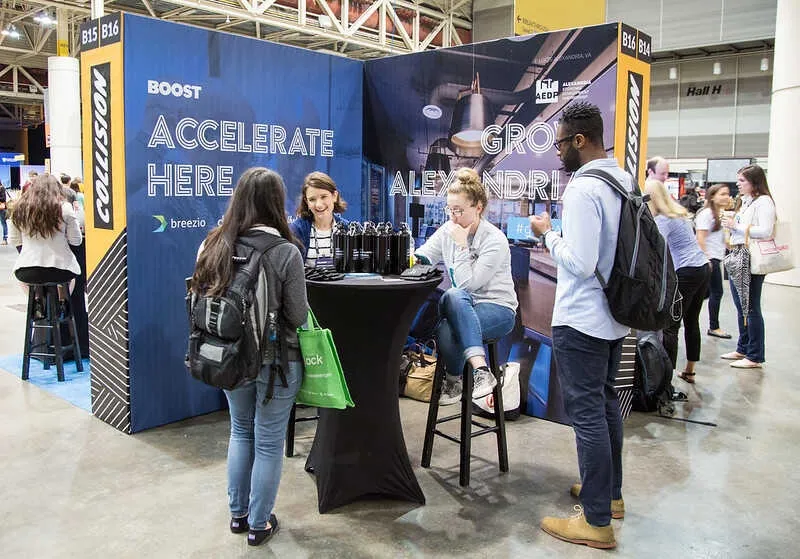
{"x":730,"y":121}
{"x":677,"y":24}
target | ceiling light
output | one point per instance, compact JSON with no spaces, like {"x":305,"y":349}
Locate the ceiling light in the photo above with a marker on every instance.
{"x":324,"y":21}
{"x":438,"y":159}
{"x":717,"y":68}
{"x":472,"y":114}
{"x":764,"y":64}
{"x":227,"y":19}
{"x":44,"y":19}
{"x":673,"y":73}
{"x":432,"y":112}
{"x":10,"y":31}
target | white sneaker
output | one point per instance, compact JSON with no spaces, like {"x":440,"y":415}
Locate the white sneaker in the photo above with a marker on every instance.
{"x":483,"y":383}
{"x":451,"y":391}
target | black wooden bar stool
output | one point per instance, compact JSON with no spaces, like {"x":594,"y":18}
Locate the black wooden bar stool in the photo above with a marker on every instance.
{"x":465,"y":440}
{"x":293,"y":419}
{"x":50,"y":318}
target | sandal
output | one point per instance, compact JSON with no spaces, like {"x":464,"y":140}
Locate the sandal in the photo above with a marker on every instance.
{"x":719,"y":333}
{"x":678,"y":396}
{"x":687,"y":377}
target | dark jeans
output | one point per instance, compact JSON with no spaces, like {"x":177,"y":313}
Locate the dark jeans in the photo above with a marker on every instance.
{"x":587,"y":367}
{"x":693,"y":285}
{"x":3,"y":224}
{"x":751,"y":336}
{"x":714,"y":294}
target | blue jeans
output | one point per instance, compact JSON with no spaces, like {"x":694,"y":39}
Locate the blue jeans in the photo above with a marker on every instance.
{"x":3,"y":224}
{"x":464,"y":326}
{"x":587,"y":367}
{"x":255,"y":452}
{"x":751,"y":336}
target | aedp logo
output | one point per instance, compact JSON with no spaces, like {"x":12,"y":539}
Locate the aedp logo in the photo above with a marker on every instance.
{"x":546,"y":91}
{"x":316,"y":360}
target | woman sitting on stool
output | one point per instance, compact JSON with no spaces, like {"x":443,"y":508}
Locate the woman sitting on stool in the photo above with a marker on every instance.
{"x":481,"y":304}
{"x":45,"y":225}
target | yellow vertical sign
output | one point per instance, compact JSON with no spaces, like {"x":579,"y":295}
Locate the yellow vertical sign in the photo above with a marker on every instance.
{"x":539,"y":16}
{"x":633,"y":100}
{"x":104,"y":136}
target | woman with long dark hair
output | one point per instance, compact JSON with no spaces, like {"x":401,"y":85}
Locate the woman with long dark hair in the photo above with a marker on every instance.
{"x":44,"y":224}
{"x":755,"y":218}
{"x":711,"y":238}
{"x":258,"y":422}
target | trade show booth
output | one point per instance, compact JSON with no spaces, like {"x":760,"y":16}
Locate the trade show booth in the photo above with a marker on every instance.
{"x":166,"y":136}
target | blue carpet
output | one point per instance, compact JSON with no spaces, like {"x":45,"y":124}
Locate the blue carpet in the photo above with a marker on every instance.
{"x":75,"y":389}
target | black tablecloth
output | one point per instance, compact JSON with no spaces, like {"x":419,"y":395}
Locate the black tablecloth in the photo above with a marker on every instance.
{"x":360,"y":452}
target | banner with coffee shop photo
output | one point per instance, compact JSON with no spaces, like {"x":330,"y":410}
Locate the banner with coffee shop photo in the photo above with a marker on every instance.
{"x":494,"y":107}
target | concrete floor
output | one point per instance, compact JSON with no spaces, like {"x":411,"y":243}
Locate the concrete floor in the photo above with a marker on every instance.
{"x":72,"y":486}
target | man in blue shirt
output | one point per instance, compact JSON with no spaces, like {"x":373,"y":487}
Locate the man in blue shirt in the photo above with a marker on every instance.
{"x":587,"y":341}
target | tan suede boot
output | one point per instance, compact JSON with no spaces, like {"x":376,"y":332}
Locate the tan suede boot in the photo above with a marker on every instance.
{"x":576,"y":529}
{"x":617,"y":505}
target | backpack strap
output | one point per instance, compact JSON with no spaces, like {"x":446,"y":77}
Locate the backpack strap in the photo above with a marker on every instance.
{"x":262,"y":242}
{"x":611,"y":181}
{"x":252,"y":248}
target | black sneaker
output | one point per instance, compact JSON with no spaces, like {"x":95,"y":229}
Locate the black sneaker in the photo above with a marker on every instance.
{"x":239,"y":525}
{"x":257,"y":537}
{"x":38,"y":309}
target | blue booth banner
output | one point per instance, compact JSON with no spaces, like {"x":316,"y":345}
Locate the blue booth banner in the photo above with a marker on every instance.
{"x":170,"y":136}
{"x":173,"y":114}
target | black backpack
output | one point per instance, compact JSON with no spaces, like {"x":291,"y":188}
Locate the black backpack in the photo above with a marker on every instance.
{"x":642,"y":290}
{"x":224,"y":341}
{"x":652,"y":379}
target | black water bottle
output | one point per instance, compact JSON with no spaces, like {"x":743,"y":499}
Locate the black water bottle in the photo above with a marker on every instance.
{"x":393,"y":245}
{"x":338,"y":242}
{"x":369,"y":241}
{"x":405,"y":244}
{"x":354,"y":238}
{"x":383,"y":264}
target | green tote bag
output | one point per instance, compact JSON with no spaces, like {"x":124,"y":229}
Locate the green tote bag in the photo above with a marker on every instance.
{"x":323,"y":383}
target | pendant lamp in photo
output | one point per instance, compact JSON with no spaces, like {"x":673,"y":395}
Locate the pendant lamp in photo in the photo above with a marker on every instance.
{"x":472,"y":114}
{"x":438,"y":159}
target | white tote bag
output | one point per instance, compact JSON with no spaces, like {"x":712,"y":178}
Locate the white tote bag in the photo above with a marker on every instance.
{"x":772,"y":255}
{"x":511,"y":395}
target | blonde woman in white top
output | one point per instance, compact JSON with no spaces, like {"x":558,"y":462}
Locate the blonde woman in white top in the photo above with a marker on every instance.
{"x":711,"y":237}
{"x":756,"y":216}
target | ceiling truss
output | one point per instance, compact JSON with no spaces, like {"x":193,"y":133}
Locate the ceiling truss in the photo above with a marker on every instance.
{"x":356,"y":28}
{"x":361,"y":29}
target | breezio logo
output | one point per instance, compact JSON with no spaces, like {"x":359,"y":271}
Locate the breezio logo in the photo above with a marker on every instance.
{"x":633,"y":126}
{"x":546,"y":91}
{"x":100,"y":78}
